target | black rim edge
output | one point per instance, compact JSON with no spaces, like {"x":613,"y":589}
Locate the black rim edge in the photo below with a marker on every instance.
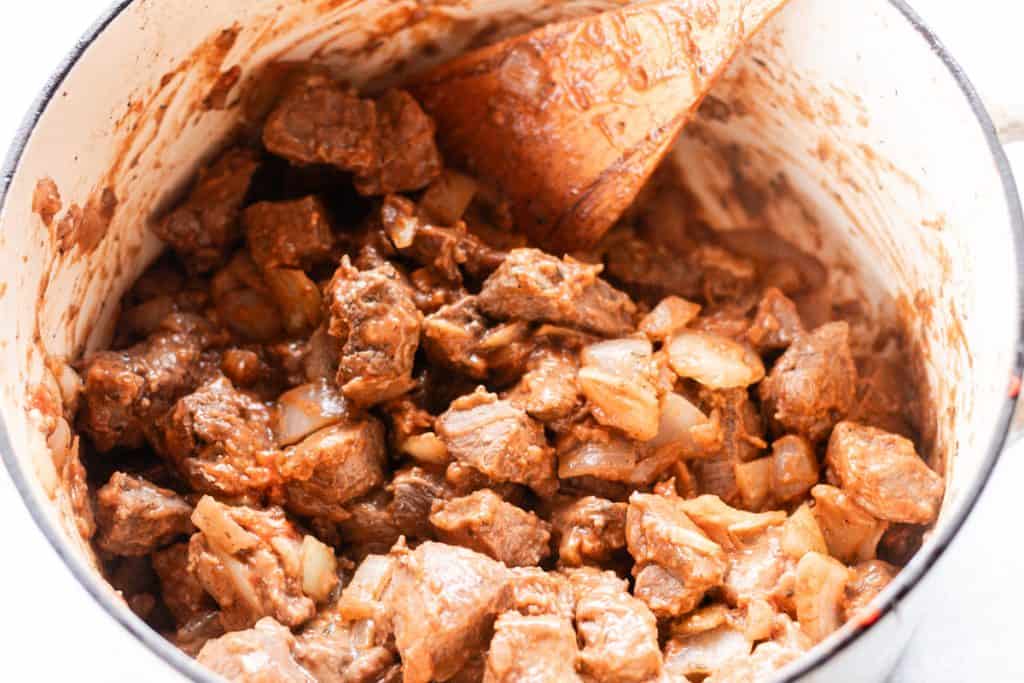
{"x":907,"y":578}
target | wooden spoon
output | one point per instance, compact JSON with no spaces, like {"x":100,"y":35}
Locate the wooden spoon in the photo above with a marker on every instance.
{"x":570,"y":120}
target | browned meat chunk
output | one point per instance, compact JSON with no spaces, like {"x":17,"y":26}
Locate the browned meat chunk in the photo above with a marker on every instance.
{"x":414,"y":493}
{"x":652,"y":272}
{"x":532,"y":649}
{"x":250,"y":561}
{"x":373,"y":315}
{"x":813,"y":385}
{"x":407,"y":156}
{"x":371,"y":528}
{"x":185,"y":597}
{"x":452,"y":335}
{"x":333,"y":466}
{"x":295,"y":234}
{"x":205,"y":226}
{"x":883,"y":474}
{"x":548,"y":391}
{"x":659,"y":532}
{"x":499,"y":440}
{"x":532,"y":285}
{"x":219,"y":440}
{"x":776,"y":323}
{"x":867,"y":580}
{"x":442,"y":601}
{"x":589,"y":530}
{"x":262,"y":654}
{"x":619,"y":634}
{"x":482,"y":521}
{"x":532,"y":591}
{"x":388,"y":143}
{"x":126,"y":391}
{"x":886,"y":396}
{"x":134,"y":517}
{"x":741,"y":440}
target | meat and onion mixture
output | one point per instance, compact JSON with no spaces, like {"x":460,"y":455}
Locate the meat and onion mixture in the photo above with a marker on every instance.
{"x":354,"y":428}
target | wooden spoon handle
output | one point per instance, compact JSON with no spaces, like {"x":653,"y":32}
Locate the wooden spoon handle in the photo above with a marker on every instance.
{"x":570,"y":120}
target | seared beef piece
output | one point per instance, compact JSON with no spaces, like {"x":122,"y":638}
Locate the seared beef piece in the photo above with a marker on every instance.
{"x":724,"y":276}
{"x":618,"y":633}
{"x":498,"y":439}
{"x":760,"y":570}
{"x":883,"y":474}
{"x":899,"y":543}
{"x":332,"y":467}
{"x":867,"y":580}
{"x":414,"y":493}
{"x":350,"y":640}
{"x":219,"y":440}
{"x":134,"y":517}
{"x":776,"y":323}
{"x":532,"y":285}
{"x":250,"y":561}
{"x":659,"y":532}
{"x":813,"y":385}
{"x":205,"y":227}
{"x":651,"y":272}
{"x":886,"y":396}
{"x":371,"y":527}
{"x":185,"y":597}
{"x":374,"y":317}
{"x":126,"y":391}
{"x":531,"y":591}
{"x":447,"y":251}
{"x":589,"y":530}
{"x":452,"y":335}
{"x":482,"y":521}
{"x":295,"y":234}
{"x":262,"y":654}
{"x":532,"y":649}
{"x":548,"y":391}
{"x":442,"y":601}
{"x":387,"y":143}
{"x":742,"y":440}
{"x":407,"y":156}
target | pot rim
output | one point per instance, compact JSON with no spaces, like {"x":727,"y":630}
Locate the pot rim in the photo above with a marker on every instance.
{"x":905,"y":580}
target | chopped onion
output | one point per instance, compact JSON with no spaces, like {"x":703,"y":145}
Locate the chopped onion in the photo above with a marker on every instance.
{"x":319,"y":569}
{"x":716,"y":362}
{"x":447,"y":198}
{"x":59,"y":441}
{"x":820,"y":588}
{"x":801,"y":534}
{"x":361,"y":598}
{"x":426,"y":448}
{"x":627,"y":404}
{"x":321,"y":362}
{"x":704,"y":653}
{"x":297,"y":297}
{"x":70,"y":385}
{"x":612,"y":459}
{"x":851,"y":532}
{"x":668,"y":317}
{"x":760,"y":621}
{"x":308,"y":408}
{"x":220,"y":529}
{"x":726,"y":525}
{"x":622,"y":357}
{"x":683,"y":427}
{"x":753,"y":479}
{"x":503,"y":335}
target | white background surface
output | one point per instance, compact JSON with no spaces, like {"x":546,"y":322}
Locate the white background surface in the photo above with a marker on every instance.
{"x":51,"y":630}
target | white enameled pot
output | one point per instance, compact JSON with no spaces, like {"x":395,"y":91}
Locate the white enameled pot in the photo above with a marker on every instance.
{"x":845,"y":127}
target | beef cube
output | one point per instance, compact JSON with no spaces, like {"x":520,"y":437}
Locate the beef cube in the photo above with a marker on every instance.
{"x":442,"y":601}
{"x":776,"y":324}
{"x":741,"y":440}
{"x":883,"y":474}
{"x":652,"y":272}
{"x":531,"y":591}
{"x":451,"y":337}
{"x":886,"y":396}
{"x":619,"y":633}
{"x":250,"y":561}
{"x":126,"y":391}
{"x":589,"y":530}
{"x":184,"y":595}
{"x":499,"y":440}
{"x":295,"y":234}
{"x":414,"y":493}
{"x":374,"y":317}
{"x":813,"y":385}
{"x":219,"y":440}
{"x":867,"y":580}
{"x":482,"y":521}
{"x":134,"y":517}
{"x":851,"y":532}
{"x":548,"y":391}
{"x":332,"y":467}
{"x":262,"y":654}
{"x":407,"y":156}
{"x":532,"y":649}
{"x":204,"y":227}
{"x":658,"y":531}
{"x":371,"y":527}
{"x":532,"y":285}
{"x":318,"y":121}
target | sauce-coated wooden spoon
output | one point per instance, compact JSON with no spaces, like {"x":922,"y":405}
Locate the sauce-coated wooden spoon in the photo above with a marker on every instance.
{"x":568,"y":121}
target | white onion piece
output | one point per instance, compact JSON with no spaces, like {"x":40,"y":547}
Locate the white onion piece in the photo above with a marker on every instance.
{"x":820,"y":588}
{"x":726,"y":525}
{"x":306,"y":409}
{"x":214,"y":520}
{"x":70,"y":385}
{"x":447,"y":198}
{"x":623,"y":357}
{"x":321,"y":362}
{"x":297,"y":297}
{"x":706,"y":652}
{"x":143,"y":319}
{"x":626,"y":403}
{"x":426,"y":448}
{"x":715,"y":361}
{"x":668,"y":317}
{"x":319,"y":569}
{"x":801,"y":534}
{"x":681,"y":428}
{"x":613,"y":460}
{"x":754,"y":481}
{"x":59,"y":441}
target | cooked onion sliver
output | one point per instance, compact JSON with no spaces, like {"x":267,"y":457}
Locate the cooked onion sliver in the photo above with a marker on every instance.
{"x":631,"y":406}
{"x":308,"y":408}
{"x":448,"y":197}
{"x":801,"y":534}
{"x":297,"y":297}
{"x":319,"y":569}
{"x":220,"y":529}
{"x":716,"y":362}
{"x":612,"y":460}
{"x":820,"y":587}
{"x":684,"y":428}
{"x":622,"y":357}
{"x":671,"y":315}
{"x":426,"y":448}
{"x":754,"y":480}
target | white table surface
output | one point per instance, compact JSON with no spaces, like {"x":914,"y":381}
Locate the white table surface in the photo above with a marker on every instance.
{"x":51,"y":630}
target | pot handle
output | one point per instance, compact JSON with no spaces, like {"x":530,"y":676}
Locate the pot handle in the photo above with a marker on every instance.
{"x":986,"y":42}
